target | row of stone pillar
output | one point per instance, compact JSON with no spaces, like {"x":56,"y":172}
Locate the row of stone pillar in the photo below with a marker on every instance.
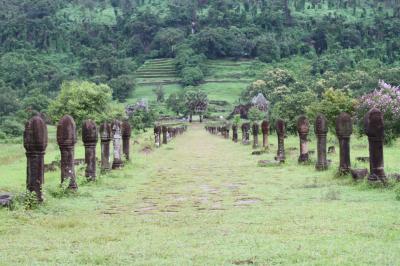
{"x":163,"y":134}
{"x":36,"y":139}
{"x":374,"y":129}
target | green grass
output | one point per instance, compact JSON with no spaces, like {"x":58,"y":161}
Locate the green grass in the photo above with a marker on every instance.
{"x":202,"y":200}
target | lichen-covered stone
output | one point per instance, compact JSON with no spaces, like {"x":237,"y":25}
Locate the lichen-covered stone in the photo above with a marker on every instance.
{"x":126,"y":136}
{"x":117,"y":141}
{"x":105,"y":137}
{"x":303,"y":128}
{"x":66,"y":139}
{"x":89,"y":138}
{"x":344,"y":129}
{"x":321,"y":130}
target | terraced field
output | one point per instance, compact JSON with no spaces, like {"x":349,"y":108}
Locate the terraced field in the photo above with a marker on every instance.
{"x":225,"y":81}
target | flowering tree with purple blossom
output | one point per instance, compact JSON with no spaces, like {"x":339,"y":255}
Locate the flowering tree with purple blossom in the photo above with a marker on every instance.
{"x":387,"y":99}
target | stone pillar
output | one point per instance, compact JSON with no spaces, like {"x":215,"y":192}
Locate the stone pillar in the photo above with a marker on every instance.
{"x":280,"y":131}
{"x":374,"y":128}
{"x":321,"y":130}
{"x":117,"y":141}
{"x":164,"y":133}
{"x":235,"y":133}
{"x":106,"y":137}
{"x":245,"y":133}
{"x":344,"y":129}
{"x":35,"y":143}
{"x":255,"y":130}
{"x":89,"y":138}
{"x":265,"y":132}
{"x":126,"y":137}
{"x":66,"y":139}
{"x":303,"y":127}
{"x":157,"y":136}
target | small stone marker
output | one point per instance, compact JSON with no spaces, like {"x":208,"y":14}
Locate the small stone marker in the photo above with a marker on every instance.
{"x":105,"y":137}
{"x":321,"y":130}
{"x":374,"y":128}
{"x":303,"y":128}
{"x":265,"y":132}
{"x":255,"y":130}
{"x":117,"y":141}
{"x":281,"y":131}
{"x":344,"y":129}
{"x":66,"y":139}
{"x":89,"y":138}
{"x":359,"y":174}
{"x":245,"y":133}
{"x":126,"y":137}
{"x":35,"y":143}
{"x":235,"y":133}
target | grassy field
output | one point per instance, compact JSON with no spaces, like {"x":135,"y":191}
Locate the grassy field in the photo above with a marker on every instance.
{"x":202,"y":200}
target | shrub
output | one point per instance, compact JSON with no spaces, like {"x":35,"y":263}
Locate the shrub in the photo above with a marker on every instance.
{"x":192,"y":76}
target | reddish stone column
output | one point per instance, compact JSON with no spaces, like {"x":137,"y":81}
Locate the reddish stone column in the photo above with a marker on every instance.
{"x":66,"y":138}
{"x":235,"y":133}
{"x":321,"y":130}
{"x":255,"y":130}
{"x":35,"y":143}
{"x":281,"y":131}
{"x":265,"y":132}
{"x":89,"y":138}
{"x":126,"y":136}
{"x":303,"y":127}
{"x":117,"y":141}
{"x":106,"y":137}
{"x":374,"y":128}
{"x":164,"y":132}
{"x":344,"y":129}
{"x":245,"y":134}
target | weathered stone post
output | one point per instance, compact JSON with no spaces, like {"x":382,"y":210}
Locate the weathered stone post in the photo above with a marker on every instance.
{"x":255,"y":130}
{"x":66,"y":138}
{"x":235,"y":133}
{"x":117,"y":141}
{"x":35,"y":143}
{"x":374,"y":128}
{"x":303,"y":127}
{"x":126,"y":137}
{"x":265,"y":132}
{"x":157,"y":135}
{"x":281,"y":131}
{"x":321,"y":130}
{"x":106,"y":137}
{"x":245,"y":133}
{"x":344,"y":129}
{"x":89,"y":138}
{"x":164,"y":133}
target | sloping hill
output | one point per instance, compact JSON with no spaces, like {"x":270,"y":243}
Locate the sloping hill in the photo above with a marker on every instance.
{"x":157,"y":71}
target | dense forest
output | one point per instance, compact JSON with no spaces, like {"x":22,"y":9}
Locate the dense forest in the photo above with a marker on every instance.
{"x":349,"y":44}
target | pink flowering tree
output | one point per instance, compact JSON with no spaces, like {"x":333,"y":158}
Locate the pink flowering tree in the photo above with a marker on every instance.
{"x":387,"y":99}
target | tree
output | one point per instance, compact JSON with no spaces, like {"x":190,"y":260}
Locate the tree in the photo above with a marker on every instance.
{"x":333,"y":102}
{"x":159,"y":92}
{"x":176,"y":102}
{"x":122,"y":86}
{"x":82,"y":100}
{"x":196,"y":102}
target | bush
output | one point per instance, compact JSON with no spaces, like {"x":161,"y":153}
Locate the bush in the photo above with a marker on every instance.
{"x":82,"y":100}
{"x":12,"y":128}
{"x":192,"y":76}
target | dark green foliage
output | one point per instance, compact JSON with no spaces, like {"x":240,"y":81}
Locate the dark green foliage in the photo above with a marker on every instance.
{"x":122,"y":86}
